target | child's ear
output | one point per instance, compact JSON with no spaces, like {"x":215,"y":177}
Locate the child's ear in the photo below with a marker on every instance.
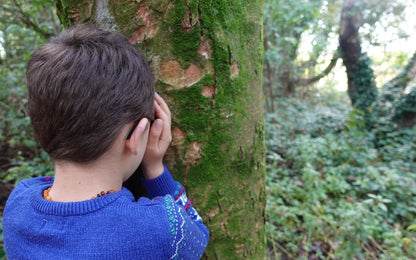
{"x":132,"y":144}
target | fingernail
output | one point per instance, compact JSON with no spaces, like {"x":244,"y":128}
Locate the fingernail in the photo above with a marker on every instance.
{"x":140,"y":129}
{"x":158,"y":123}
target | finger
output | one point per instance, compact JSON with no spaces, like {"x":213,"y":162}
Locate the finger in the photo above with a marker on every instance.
{"x":142,"y":126}
{"x":155,"y":133}
{"x":161,"y":102}
{"x":160,"y":113}
{"x":166,"y":135}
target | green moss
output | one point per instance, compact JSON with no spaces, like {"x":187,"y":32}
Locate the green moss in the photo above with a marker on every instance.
{"x":158,"y":5}
{"x":194,"y":110}
{"x":231,"y":31}
{"x":185,"y":41}
{"x":124,"y":13}
{"x":63,"y":8}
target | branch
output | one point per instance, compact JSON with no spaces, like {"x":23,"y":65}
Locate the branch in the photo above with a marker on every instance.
{"x":393,"y":88}
{"x":327,"y":70}
{"x":405,"y":76}
{"x":25,"y":19}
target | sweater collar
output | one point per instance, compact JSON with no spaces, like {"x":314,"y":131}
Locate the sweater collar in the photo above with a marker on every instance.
{"x":73,"y":208}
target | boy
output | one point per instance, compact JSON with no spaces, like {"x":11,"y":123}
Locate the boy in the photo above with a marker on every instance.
{"x":91,"y":101}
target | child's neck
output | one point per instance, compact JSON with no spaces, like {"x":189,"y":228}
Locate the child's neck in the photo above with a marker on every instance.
{"x":78,"y":182}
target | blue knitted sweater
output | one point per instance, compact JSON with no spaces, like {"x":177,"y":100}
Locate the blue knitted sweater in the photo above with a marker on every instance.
{"x":113,"y":226}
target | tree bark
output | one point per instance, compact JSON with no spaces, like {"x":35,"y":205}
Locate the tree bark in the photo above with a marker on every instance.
{"x":349,"y":41}
{"x":362,"y":88}
{"x":206,"y":57}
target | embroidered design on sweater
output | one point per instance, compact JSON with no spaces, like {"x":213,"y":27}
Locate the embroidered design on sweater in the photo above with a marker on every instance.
{"x":182,"y":199}
{"x":178,"y":230}
{"x":182,"y":232}
{"x":171,"y":215}
{"x":176,"y":224}
{"x":176,"y":217}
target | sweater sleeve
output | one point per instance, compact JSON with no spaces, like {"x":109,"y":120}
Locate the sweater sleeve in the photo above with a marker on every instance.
{"x":189,"y":235}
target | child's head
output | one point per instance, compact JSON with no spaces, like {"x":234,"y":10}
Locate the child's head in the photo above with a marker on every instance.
{"x":84,"y":86}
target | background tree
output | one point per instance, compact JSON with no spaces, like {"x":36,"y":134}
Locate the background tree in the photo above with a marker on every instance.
{"x":361,"y":83}
{"x":207,"y":60}
{"x":285,"y":24}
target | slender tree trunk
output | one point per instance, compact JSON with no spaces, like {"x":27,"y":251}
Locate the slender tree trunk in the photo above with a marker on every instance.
{"x":362,"y":88}
{"x":287,"y":81}
{"x":270,"y":94}
{"x":269,"y":100}
{"x":206,"y":57}
{"x":349,"y":42}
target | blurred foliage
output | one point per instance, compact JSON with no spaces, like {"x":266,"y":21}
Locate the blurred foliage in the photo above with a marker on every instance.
{"x":341,"y":181}
{"x":332,"y":193}
{"x":300,"y":36}
{"x":284,"y":24}
{"x":24,"y":25}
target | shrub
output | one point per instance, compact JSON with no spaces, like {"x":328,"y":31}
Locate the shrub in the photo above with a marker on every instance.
{"x":333,"y":192}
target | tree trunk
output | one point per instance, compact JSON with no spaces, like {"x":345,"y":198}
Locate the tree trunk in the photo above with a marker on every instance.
{"x":362,"y":88}
{"x":349,"y":42}
{"x":206,"y":57}
{"x":268,"y":83}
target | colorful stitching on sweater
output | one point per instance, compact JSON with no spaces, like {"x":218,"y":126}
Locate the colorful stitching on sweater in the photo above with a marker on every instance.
{"x":171,"y":215}
{"x":176,"y":255}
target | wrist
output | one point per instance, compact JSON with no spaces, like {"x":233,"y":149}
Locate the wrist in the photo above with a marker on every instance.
{"x":153,"y":171}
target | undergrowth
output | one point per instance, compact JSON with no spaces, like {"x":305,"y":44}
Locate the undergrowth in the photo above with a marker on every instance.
{"x":333,"y":191}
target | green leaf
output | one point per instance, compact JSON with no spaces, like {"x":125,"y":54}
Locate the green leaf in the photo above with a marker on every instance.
{"x":411,"y":227}
{"x":382,"y":207}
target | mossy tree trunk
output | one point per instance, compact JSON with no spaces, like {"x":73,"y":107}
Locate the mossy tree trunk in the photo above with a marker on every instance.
{"x":207,"y":60}
{"x":349,"y":42}
{"x":362,"y":88}
{"x":392,"y":102}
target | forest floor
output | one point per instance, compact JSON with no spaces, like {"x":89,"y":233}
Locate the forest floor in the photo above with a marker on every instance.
{"x":336,"y":190}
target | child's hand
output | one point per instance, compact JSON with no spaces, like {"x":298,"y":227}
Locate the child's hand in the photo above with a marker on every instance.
{"x":159,"y":140}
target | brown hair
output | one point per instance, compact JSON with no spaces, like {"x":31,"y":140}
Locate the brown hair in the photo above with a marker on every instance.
{"x":84,"y":86}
